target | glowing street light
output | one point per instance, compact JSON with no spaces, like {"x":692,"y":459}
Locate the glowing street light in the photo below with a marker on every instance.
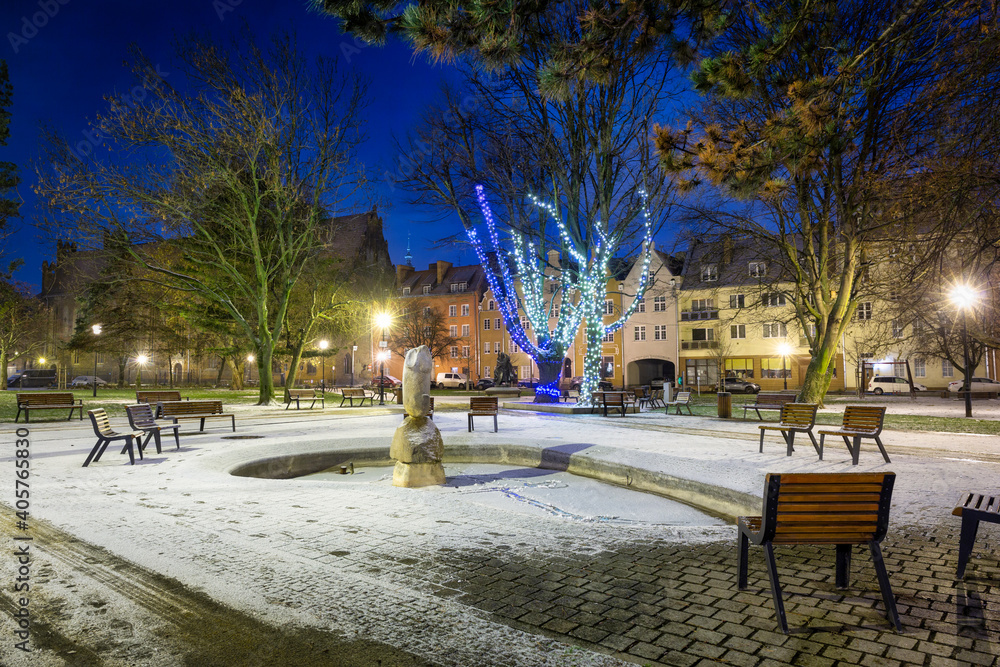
{"x":97,"y":332}
{"x":323,"y":344}
{"x":383,"y":321}
{"x":965,"y":298}
{"x":250,"y":360}
{"x":140,"y":362}
{"x":784,"y":350}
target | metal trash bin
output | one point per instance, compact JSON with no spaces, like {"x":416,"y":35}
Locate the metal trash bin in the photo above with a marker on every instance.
{"x":725,"y":404}
{"x":399,"y":395}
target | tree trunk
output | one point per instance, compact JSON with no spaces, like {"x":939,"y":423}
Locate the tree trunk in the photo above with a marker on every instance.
{"x":236,"y":364}
{"x":170,"y":371}
{"x":548,"y":379}
{"x":122,"y":361}
{"x":594,"y":331}
{"x":218,"y":376}
{"x":265,"y":355}
{"x":817,"y":380}
{"x":293,"y":366}
{"x":3,"y":368}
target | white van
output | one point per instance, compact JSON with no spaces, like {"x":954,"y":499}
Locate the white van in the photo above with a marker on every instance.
{"x":891,"y":384}
{"x":449,"y":381}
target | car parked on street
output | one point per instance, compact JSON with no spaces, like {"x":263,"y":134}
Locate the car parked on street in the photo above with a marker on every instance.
{"x":387,"y":381}
{"x":892,"y":384}
{"x":977,"y":385}
{"x":529,"y":383}
{"x":450,"y":381}
{"x":86,"y":381}
{"x":484,"y":383}
{"x":602,"y":385}
{"x":738,"y":386}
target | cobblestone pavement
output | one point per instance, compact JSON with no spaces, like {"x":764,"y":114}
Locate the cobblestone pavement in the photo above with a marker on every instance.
{"x":450,"y":581}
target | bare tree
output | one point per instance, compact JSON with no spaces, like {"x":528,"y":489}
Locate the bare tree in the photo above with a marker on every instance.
{"x":420,"y":324}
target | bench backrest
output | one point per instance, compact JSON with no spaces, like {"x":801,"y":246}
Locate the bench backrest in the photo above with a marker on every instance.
{"x":177,"y":408}
{"x":826,"y":508}
{"x":140,"y":415}
{"x":867,"y":418}
{"x":157,"y":396}
{"x":46,"y":398}
{"x":483,"y":404}
{"x":682,"y":397}
{"x":774,"y":398}
{"x":99,"y":420}
{"x":302,"y":393}
{"x":347,"y":391}
{"x":614,"y":398}
{"x":802,"y":415}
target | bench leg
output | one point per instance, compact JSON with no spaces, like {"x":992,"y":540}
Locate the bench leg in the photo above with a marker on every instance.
{"x":93,"y":453}
{"x":789,"y":440}
{"x":234,"y":423}
{"x":495,"y":429}
{"x":104,"y":445}
{"x":878,"y":441}
{"x":850,"y":448}
{"x":857,"y":450}
{"x":688,"y":406}
{"x":813,"y":439}
{"x":970,"y":526}
{"x":131,"y":454}
{"x":741,"y":560}
{"x":843,"y":565}
{"x":19,"y":414}
{"x":177,"y":438}
{"x":883,"y":584}
{"x":821,"y":436}
{"x":772,"y":572}
{"x":202,"y":428}
{"x":761,"y":450}
{"x":470,"y":424}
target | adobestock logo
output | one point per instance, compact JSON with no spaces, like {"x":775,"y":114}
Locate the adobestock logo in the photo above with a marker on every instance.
{"x":30,"y":25}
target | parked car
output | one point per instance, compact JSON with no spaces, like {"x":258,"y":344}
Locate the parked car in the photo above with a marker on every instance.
{"x":33,"y":378}
{"x":86,"y":381}
{"x":977,"y":385}
{"x":739,"y":386}
{"x":387,"y":381}
{"x":891,"y":384}
{"x":450,"y":381}
{"x":484,"y":383}
{"x":530,"y":383}
{"x":656,"y":383}
{"x":577,"y":382}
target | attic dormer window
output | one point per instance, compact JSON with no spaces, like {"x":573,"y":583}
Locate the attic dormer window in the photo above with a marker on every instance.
{"x":459,"y":287}
{"x":406,"y":291}
{"x":427,"y":289}
{"x":758,"y":269}
{"x":709,"y":273}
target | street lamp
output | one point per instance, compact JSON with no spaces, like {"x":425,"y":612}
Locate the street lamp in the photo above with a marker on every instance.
{"x":964,"y":297}
{"x":784,"y":350}
{"x":250,"y":359}
{"x":323,"y":344}
{"x":383,"y":321}
{"x":97,"y":332}
{"x":353,"y":350}
{"x":140,"y":362}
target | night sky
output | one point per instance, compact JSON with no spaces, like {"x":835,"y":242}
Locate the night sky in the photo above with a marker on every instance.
{"x":62,"y":66}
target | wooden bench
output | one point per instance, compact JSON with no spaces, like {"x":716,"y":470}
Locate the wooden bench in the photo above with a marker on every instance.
{"x":842,"y":509}
{"x":47,"y":401}
{"x":102,"y":429}
{"x":304,"y":395}
{"x":155,"y":396}
{"x":860,"y":421}
{"x":656,"y":399}
{"x":683,"y":398}
{"x":350,"y":394}
{"x":617,"y":401}
{"x":483,"y":406}
{"x":140,"y":418}
{"x":200,"y":410}
{"x":768,"y":401}
{"x":973,"y":508}
{"x":795,"y":418}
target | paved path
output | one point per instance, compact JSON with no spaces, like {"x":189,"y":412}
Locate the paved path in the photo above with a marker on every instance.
{"x":363,"y":574}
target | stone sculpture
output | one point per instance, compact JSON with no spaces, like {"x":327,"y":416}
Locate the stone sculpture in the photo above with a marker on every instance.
{"x":417,"y":445}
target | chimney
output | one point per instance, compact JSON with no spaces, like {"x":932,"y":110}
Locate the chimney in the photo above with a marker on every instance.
{"x":402,"y":273}
{"x":553,"y":256}
{"x":442,"y":269}
{"x":47,"y":276}
{"x":727,"y":248}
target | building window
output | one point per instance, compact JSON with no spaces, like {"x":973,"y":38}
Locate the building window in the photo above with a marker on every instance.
{"x":556,"y":309}
{"x":427,"y":332}
{"x":427,"y":289}
{"x":498,"y":323}
{"x":525,"y":372}
{"x":465,"y":351}
{"x":709,"y":273}
{"x":702,"y":334}
{"x":608,"y":338}
{"x":486,"y":371}
{"x":406,"y":291}
{"x":758,"y":269}
{"x":452,"y":311}
{"x":864,"y":311}
{"x":640,"y":333}
{"x":491,"y":305}
{"x":609,"y":307}
{"x":741,"y":368}
{"x":76,"y":357}
{"x":465,"y":310}
{"x":773,"y":299}
{"x":737,"y":301}
{"x":465,"y":331}
{"x":659,"y":304}
{"x":897,"y":329}
{"x":737,"y":331}
{"x":702,"y":304}
{"x":486,"y":324}
{"x":486,"y":348}
{"x":640,"y":306}
{"x":453,"y":331}
{"x":919,"y":368}
{"x":526,"y":323}
{"x":659,"y":332}
{"x":100,"y":357}
{"x":459,"y":287}
{"x":514,"y":347}
{"x":947,"y":369}
{"x":774,"y":367}
{"x":775,"y":330}
{"x":454,"y":352}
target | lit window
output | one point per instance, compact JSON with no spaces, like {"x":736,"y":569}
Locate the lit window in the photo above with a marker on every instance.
{"x":709,"y":273}
{"x":737,"y":331}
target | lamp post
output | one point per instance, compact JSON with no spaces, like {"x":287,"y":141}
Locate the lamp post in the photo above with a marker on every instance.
{"x":964,"y":297}
{"x":97,"y":332}
{"x":383,"y":320}
{"x":140,"y":362}
{"x":784,"y":350}
{"x":353,"y":350}
{"x":250,"y":360}
{"x":323,"y":344}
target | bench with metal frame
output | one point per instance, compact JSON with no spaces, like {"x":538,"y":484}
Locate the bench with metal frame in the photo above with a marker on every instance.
{"x":105,"y":436}
{"x":840,"y":509}
{"x":973,"y":508}
{"x":483,"y":406}
{"x":860,"y":421}
{"x":157,"y":396}
{"x":767,"y":400}
{"x":140,"y":418}
{"x":683,"y":398}
{"x":200,"y":410}
{"x":352,"y":393}
{"x":305,"y":395}
{"x":795,"y":418}
{"x":47,"y":400}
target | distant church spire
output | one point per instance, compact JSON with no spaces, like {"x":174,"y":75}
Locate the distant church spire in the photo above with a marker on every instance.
{"x":409,"y":256}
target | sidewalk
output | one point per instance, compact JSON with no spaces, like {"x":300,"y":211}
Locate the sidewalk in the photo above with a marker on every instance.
{"x":433,"y":576}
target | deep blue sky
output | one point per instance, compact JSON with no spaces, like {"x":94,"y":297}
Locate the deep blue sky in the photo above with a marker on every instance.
{"x":62,"y":73}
